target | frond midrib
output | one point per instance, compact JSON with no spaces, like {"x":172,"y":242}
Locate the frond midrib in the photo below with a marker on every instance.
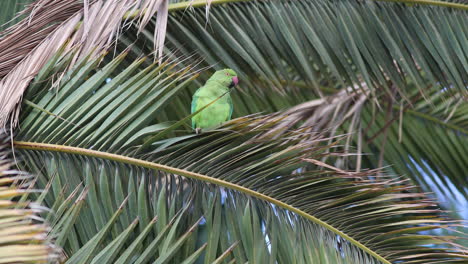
{"x":202,"y":3}
{"x":192,"y":175}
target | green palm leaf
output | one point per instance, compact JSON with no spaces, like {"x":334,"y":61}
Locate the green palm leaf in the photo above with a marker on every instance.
{"x":379,"y":43}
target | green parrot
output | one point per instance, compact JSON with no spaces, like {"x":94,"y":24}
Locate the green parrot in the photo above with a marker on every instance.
{"x":220,"y":111}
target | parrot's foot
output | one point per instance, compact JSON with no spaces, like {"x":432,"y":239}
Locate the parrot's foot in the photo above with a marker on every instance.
{"x":197,"y":130}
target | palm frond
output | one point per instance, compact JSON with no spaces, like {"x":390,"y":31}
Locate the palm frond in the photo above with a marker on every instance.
{"x":115,"y":213}
{"x":413,"y":140}
{"x":351,"y":42}
{"x":416,"y":145}
{"x":23,"y":234}
{"x":385,"y":50}
{"x":86,"y":28}
{"x":281,"y":168}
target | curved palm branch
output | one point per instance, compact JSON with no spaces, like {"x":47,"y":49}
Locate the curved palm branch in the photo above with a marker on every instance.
{"x":144,"y":216}
{"x":92,"y":121}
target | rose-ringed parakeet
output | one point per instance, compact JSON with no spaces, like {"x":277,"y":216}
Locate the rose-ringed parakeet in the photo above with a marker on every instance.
{"x":220,"y":111}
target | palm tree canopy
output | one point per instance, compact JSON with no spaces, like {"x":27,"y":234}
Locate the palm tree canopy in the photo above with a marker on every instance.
{"x":104,"y":126}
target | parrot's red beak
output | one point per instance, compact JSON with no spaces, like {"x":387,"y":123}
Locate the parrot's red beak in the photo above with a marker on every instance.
{"x":234,"y":82}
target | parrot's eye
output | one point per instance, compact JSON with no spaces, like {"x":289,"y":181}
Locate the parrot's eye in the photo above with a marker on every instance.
{"x":227,"y":74}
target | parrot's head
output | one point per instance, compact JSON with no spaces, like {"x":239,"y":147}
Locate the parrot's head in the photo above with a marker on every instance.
{"x":227,"y":77}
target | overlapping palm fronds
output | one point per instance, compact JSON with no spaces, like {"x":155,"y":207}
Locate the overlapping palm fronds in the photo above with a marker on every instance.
{"x":410,"y":140}
{"x":86,"y":28}
{"x":128,"y":182}
{"x":115,"y":213}
{"x":93,"y":130}
{"x":23,"y":234}
{"x":376,"y":43}
{"x":288,"y":52}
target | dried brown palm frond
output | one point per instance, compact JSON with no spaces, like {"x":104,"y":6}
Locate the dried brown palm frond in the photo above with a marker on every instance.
{"x":85,"y":28}
{"x":413,"y":139}
{"x":44,"y":16}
